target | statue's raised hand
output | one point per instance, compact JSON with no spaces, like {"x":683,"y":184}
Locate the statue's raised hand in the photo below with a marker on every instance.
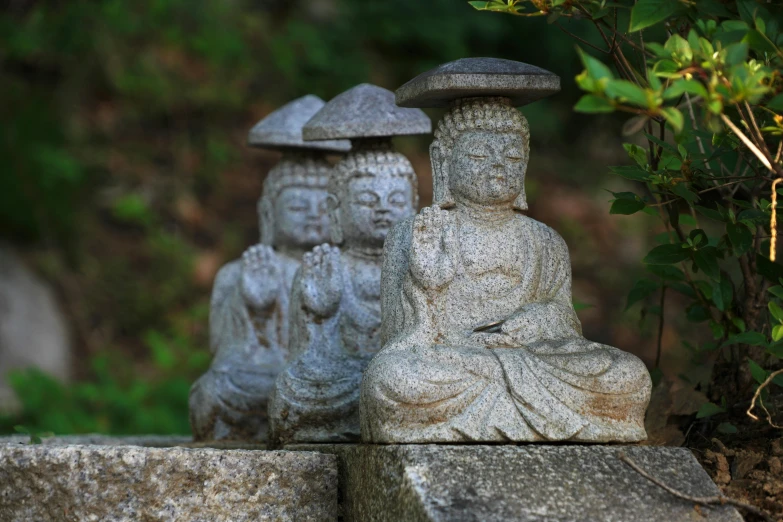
{"x":322,"y":280}
{"x":260,"y":277}
{"x":431,"y":247}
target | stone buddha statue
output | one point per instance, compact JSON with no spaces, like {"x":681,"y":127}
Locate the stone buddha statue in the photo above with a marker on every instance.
{"x":248,"y":320}
{"x":480,"y":339}
{"x":335,"y":302}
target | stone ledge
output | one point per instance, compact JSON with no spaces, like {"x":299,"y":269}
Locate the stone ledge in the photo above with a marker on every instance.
{"x":522,"y":483}
{"x":124,"y":483}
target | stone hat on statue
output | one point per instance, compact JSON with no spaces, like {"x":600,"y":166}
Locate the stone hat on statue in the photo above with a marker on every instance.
{"x":365,"y":111}
{"x":478,"y":77}
{"x":282,"y":129}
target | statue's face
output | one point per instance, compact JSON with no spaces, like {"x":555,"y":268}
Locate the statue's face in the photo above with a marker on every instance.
{"x":301,"y":217}
{"x":487,"y":167}
{"x":371,"y":205}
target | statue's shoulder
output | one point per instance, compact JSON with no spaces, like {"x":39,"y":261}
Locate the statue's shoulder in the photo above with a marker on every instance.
{"x":399,"y":237}
{"x":543,"y":231}
{"x":228,"y":274}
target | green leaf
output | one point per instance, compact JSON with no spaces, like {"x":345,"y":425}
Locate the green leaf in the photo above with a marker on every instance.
{"x":667,"y":272}
{"x":707,"y":260}
{"x":777,"y":291}
{"x":681,"y":86}
{"x":750,"y":338}
{"x":738,"y":323}
{"x":726,"y":428}
{"x":776,"y":349}
{"x":697,"y":313}
{"x":722,"y":293}
{"x":626,"y":206}
{"x":741,"y":238}
{"x":666,"y":255}
{"x":710,"y":213}
{"x":642,"y":289}
{"x":759,"y":42}
{"x":776,"y":103}
{"x":632,"y":172}
{"x":674,"y":118}
{"x":718,"y":331}
{"x":649,"y":12}
{"x":623,"y":90}
{"x":590,"y":103}
{"x":758,"y":373}
{"x":595,"y":68}
{"x":771,"y":270}
{"x":679,"y":47}
{"x":777,"y":332}
{"x":776,"y":311}
{"x":681,"y":189}
{"x":709,"y":409}
{"x":736,"y":53}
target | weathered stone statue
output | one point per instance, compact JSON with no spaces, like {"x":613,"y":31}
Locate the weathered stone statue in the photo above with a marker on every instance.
{"x":480,"y":338}
{"x":335,"y":303}
{"x":248,"y":320}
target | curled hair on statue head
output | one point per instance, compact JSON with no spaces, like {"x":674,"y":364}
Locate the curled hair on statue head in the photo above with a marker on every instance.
{"x":297,"y":169}
{"x":367,"y":158}
{"x":493,"y":114}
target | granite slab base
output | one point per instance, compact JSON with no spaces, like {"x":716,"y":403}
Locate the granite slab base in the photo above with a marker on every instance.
{"x":115,"y":481}
{"x":523,"y":483}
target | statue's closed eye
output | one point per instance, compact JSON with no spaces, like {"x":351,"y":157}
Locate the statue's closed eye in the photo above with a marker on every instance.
{"x":477,"y":156}
{"x":514,"y":158}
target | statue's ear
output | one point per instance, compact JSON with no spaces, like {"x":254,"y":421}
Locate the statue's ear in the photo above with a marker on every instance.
{"x":521,"y":202}
{"x":335,"y":221}
{"x":441,"y":195}
{"x":266,"y":219}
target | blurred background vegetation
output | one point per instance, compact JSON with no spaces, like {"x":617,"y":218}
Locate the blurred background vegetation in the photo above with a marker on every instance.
{"x":126,"y":182}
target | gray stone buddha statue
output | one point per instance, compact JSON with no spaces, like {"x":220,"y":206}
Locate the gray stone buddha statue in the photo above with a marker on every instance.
{"x":248,"y":320}
{"x":480,"y":339}
{"x":335,"y":303}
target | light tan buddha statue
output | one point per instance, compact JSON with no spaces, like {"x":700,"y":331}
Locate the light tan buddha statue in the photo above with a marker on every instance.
{"x":480,"y":338}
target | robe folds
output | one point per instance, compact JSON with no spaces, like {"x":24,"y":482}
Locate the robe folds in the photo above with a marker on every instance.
{"x":316,"y":396}
{"x":249,"y":350}
{"x":435,"y":380}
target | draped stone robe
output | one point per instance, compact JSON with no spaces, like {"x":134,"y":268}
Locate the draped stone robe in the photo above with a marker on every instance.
{"x":249,"y":348}
{"x":316,"y":397}
{"x":434,"y":381}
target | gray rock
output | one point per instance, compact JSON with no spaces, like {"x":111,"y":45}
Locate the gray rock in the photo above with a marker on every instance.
{"x":128,"y":483}
{"x":365,"y":111}
{"x":282,"y":129}
{"x":523,"y":483}
{"x":33,"y":331}
{"x":473,"y":77}
{"x":481,"y":342}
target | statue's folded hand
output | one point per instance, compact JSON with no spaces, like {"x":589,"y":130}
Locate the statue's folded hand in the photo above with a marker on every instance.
{"x":260,"y":277}
{"x":322,"y":282}
{"x":431,"y":246}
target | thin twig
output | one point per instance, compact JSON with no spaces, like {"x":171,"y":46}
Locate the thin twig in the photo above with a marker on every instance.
{"x":716,"y":500}
{"x":763,"y":159}
{"x":576,"y":37}
{"x":757,"y":397}
{"x":660,"y":328}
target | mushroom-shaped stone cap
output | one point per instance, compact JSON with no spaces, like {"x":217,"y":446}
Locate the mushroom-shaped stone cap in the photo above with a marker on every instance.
{"x":478,"y":77}
{"x":365,"y":111}
{"x":282,"y":129}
